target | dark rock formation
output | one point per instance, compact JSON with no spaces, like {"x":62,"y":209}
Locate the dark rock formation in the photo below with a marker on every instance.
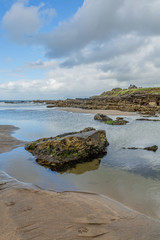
{"x":65,"y":151}
{"x":146,"y":119}
{"x":153,"y":148}
{"x":102,"y":117}
{"x":143,"y":100}
{"x":118,"y":121}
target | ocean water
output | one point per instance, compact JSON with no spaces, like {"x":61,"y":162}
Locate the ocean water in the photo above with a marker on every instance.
{"x":129,"y":176}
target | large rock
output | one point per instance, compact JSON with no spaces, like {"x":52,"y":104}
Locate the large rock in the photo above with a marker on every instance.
{"x":102,"y":117}
{"x":65,"y":151}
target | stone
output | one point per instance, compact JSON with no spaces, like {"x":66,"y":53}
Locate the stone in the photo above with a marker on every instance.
{"x":146,"y":119}
{"x":65,"y":151}
{"x":153,"y":148}
{"x":102,"y":117}
{"x":117,"y":122}
{"x":152,"y":104}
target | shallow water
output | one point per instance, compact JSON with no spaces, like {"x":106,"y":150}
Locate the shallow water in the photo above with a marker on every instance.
{"x":129,"y":176}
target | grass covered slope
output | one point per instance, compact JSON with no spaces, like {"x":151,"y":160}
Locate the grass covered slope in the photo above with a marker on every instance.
{"x":119,"y":91}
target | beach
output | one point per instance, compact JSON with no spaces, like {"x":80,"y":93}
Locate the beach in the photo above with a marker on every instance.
{"x":95,"y":111}
{"x":28,"y":212}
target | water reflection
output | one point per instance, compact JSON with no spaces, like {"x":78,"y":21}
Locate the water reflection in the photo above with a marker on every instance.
{"x":81,"y":168}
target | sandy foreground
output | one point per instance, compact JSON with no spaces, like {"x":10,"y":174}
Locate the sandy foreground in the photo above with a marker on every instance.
{"x":95,"y":111}
{"x":27,"y":212}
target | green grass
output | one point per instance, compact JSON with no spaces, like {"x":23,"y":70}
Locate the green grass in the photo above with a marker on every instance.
{"x":130,"y":91}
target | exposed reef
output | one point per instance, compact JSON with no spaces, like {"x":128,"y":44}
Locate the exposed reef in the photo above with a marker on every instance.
{"x":110,"y":121}
{"x":143,"y":100}
{"x":65,"y":151}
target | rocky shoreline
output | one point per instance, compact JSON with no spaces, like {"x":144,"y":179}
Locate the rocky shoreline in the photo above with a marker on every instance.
{"x":141,"y":100}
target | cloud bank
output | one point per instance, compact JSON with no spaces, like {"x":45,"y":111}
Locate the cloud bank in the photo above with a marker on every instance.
{"x":105,"y":44}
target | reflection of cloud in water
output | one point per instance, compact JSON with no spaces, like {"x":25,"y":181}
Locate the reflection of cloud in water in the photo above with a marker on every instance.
{"x":85,"y":167}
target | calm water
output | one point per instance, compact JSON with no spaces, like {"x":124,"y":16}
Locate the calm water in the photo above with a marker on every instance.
{"x":129,"y":176}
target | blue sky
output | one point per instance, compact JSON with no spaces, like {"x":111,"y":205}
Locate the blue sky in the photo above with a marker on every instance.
{"x":77,"y":48}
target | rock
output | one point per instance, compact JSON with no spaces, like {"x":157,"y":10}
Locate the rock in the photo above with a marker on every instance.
{"x":152,"y":104}
{"x":117,"y":122}
{"x":102,"y":117}
{"x":65,"y":151}
{"x":153,"y":148}
{"x":119,"y":118}
{"x":148,"y":112}
{"x":141,"y":100}
{"x":50,"y":106}
{"x":146,"y":119}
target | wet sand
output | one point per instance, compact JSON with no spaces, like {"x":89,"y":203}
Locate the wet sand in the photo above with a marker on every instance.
{"x":7,"y":142}
{"x":28,"y":212}
{"x":95,"y":111}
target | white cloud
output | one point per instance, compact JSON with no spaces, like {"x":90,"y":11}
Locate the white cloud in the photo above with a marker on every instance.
{"x":101,"y":21}
{"x":105,"y":44}
{"x":21,"y":22}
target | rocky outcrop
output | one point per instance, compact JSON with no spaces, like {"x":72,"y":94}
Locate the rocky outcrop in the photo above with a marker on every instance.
{"x":102,"y":117}
{"x":118,"y":121}
{"x":131,"y":100}
{"x":65,"y":151}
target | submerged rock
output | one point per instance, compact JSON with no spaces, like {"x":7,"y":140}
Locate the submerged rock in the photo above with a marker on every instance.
{"x":118,"y":121}
{"x":153,"y":148}
{"x":66,"y":150}
{"x":102,"y":117}
{"x":146,"y":119}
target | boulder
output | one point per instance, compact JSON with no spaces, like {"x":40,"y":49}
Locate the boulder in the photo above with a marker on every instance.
{"x":117,"y":122}
{"x":102,"y":117}
{"x":65,"y":151}
{"x":153,"y":148}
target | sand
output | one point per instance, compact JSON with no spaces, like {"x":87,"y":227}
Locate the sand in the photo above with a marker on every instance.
{"x":28,"y":212}
{"x":7,"y":142}
{"x":95,"y":111}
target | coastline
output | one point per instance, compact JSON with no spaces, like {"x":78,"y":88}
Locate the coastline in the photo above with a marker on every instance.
{"x":28,"y":212}
{"x":95,"y":111}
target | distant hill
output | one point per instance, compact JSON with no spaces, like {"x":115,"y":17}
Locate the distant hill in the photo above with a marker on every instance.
{"x":119,"y":91}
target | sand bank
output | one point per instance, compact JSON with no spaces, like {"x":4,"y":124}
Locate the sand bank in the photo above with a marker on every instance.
{"x":7,"y":142}
{"x":28,"y":212}
{"x":94,"y":111}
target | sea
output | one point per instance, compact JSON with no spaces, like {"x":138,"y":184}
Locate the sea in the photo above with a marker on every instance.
{"x":131,"y":177}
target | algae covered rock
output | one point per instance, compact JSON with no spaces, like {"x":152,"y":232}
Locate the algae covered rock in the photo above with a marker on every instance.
{"x":118,"y":121}
{"x":65,"y":151}
{"x":102,"y":117}
{"x":153,"y":148}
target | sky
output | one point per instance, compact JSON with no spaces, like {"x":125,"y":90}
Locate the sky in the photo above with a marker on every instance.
{"x":60,"y":49}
